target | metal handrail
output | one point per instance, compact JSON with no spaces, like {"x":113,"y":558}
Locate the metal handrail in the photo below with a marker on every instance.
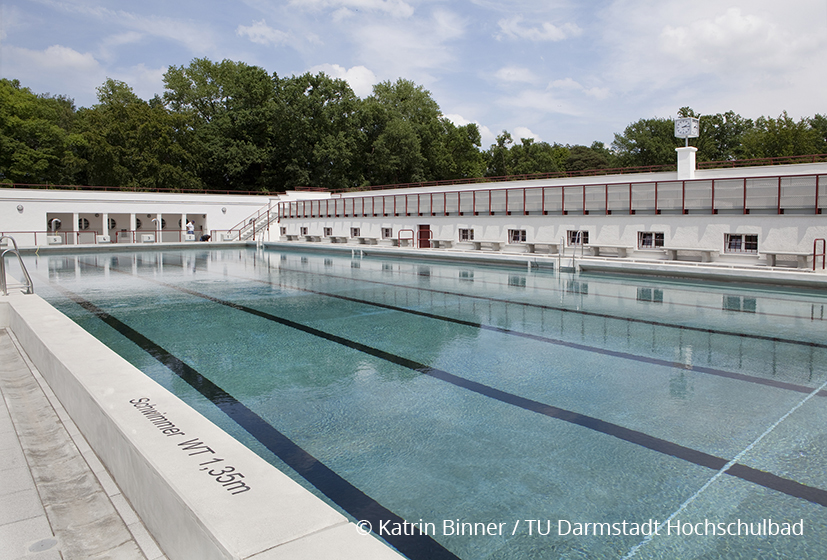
{"x":822,"y":255}
{"x":400,"y":238}
{"x":4,"y":288}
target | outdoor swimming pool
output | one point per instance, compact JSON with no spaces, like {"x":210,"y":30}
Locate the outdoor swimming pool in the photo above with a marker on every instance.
{"x":503,"y":412}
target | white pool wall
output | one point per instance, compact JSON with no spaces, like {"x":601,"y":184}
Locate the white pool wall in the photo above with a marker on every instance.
{"x":188,"y":513}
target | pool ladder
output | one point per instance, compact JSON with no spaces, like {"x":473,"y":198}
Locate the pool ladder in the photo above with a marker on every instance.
{"x":4,"y":287}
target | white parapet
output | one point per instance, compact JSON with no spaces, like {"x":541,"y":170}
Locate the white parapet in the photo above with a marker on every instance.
{"x":156,"y":447}
{"x":686,"y":162}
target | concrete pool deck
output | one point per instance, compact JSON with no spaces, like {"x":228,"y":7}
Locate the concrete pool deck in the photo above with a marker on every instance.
{"x":72,"y":493}
{"x":57,"y":501}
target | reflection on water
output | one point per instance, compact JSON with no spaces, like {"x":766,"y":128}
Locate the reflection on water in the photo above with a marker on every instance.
{"x":331,"y":349}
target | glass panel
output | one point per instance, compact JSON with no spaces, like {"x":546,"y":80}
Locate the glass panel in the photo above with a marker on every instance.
{"x":762,"y":194}
{"x":596,"y":199}
{"x":698,"y":195}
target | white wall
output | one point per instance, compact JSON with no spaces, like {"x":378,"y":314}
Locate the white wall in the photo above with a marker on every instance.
{"x":212,"y":212}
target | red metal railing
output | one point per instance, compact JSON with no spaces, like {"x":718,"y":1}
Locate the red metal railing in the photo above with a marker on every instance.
{"x":774,"y":194}
{"x":161,"y":236}
{"x":400,"y":238}
{"x":251,"y":221}
{"x":89,"y":236}
{"x":65,"y":236}
{"x":823,"y":252}
{"x":786,"y":160}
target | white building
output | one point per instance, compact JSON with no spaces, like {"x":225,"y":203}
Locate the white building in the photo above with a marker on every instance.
{"x":751,"y":215}
{"x":38,"y":217}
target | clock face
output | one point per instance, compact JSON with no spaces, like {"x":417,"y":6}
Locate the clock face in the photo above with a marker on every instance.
{"x":687,"y":128}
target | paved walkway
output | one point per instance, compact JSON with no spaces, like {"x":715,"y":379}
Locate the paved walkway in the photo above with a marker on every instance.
{"x":57,"y":501}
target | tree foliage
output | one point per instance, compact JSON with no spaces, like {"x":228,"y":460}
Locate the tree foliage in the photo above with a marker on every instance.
{"x":35,"y":135}
{"x":231,"y":126}
{"x":128,"y":142}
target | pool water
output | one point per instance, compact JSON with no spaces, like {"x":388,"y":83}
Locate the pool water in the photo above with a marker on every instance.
{"x":499,"y":409}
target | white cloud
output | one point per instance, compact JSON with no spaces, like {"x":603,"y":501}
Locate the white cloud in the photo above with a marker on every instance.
{"x":395,"y":8}
{"x":755,"y":57}
{"x":112,"y":42}
{"x":55,"y":58}
{"x":735,"y":41}
{"x":56,"y":70}
{"x":196,"y":37}
{"x":539,"y":101}
{"x":261,"y":33}
{"x":570,"y":85}
{"x":360,"y":79}
{"x":9,"y":18}
{"x":515,"y":28}
{"x":521,"y":132}
{"x":486,"y":136}
{"x":516,"y":74}
{"x":412,"y":50}
{"x":145,"y":82}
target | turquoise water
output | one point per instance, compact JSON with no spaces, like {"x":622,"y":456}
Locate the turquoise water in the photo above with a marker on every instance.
{"x":524,"y":399}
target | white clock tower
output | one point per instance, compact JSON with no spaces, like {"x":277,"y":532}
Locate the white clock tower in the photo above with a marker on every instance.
{"x":686,"y":128}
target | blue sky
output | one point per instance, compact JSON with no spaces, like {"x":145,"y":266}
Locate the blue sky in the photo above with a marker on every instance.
{"x":557,"y":71}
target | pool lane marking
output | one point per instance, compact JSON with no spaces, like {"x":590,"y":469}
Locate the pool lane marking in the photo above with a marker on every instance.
{"x":574,"y":345}
{"x":575,"y":311}
{"x":340,"y":491}
{"x":700,"y":458}
{"x":626,"y":298}
{"x":733,"y":463}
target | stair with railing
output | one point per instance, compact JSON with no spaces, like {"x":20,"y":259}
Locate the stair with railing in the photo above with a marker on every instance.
{"x":253,"y":227}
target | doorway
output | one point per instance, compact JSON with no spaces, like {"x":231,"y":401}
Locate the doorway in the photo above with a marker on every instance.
{"x":425,"y":235}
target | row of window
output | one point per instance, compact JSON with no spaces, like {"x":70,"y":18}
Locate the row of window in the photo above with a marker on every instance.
{"x":83,"y":224}
{"x":733,"y":242}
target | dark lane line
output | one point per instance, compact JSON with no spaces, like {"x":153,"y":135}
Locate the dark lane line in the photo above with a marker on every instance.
{"x":574,"y":345}
{"x":340,"y":491}
{"x":768,"y":480}
{"x":574,"y":311}
{"x":598,"y":279}
{"x":594,"y":349}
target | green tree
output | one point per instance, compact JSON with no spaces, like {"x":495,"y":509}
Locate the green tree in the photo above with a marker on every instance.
{"x":647,"y":142}
{"x":229,"y":107}
{"x":582,"y":158}
{"x":722,"y":136}
{"x":465,"y":160}
{"x":528,"y":157}
{"x":498,"y":156}
{"x":315,"y":134}
{"x":819,"y":124}
{"x":781,"y":137}
{"x":404,"y":135}
{"x":127,"y":142}
{"x":35,"y":136}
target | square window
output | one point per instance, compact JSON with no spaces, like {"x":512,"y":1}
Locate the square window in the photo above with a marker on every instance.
{"x":466,"y":234}
{"x":578,"y":237}
{"x":355,"y":232}
{"x":328,"y":231}
{"x":650,"y":239}
{"x":516,"y":236}
{"x":741,"y":243}
{"x":387,"y":233}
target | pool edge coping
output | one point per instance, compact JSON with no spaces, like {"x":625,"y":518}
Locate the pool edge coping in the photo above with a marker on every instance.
{"x":186,"y":513}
